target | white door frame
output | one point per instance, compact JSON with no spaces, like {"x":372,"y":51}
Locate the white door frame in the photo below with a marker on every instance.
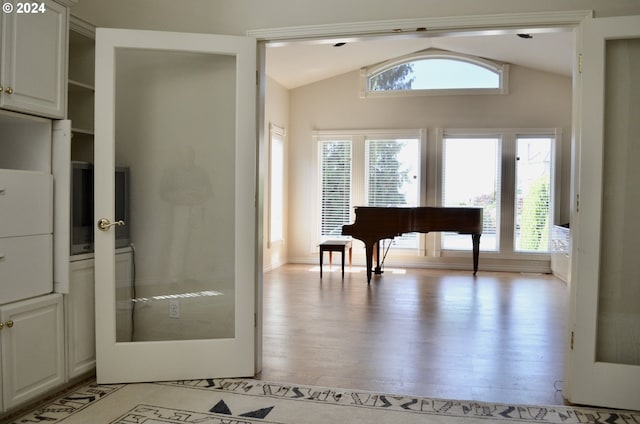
{"x":509,"y":23}
{"x":442,"y":26}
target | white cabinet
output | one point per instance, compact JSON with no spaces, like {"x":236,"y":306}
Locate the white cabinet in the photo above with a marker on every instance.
{"x":80,"y":309}
{"x":560,"y":251}
{"x":33,"y":58}
{"x":33,"y":64}
{"x":26,"y":203}
{"x":26,"y":207}
{"x":80,"y":319}
{"x":32,"y":357}
{"x":32,"y":354}
{"x":125,"y":292}
{"x":25,"y":267}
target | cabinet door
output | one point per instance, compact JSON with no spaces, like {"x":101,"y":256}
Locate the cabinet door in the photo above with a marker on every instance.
{"x":80,"y":311}
{"x":25,"y":267}
{"x":125,"y":296}
{"x":33,"y":62}
{"x":26,"y":202}
{"x":32,"y":348}
{"x":81,"y":340}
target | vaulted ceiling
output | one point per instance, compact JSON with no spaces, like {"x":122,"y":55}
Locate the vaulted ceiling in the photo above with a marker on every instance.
{"x":294,"y":64}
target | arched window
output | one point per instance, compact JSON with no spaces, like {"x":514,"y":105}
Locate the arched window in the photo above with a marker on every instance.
{"x":435,"y":72}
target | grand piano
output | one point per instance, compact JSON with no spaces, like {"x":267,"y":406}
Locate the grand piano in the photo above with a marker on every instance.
{"x":373,"y":224}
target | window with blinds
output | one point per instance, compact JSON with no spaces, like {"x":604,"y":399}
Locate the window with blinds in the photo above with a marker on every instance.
{"x":392,"y":178}
{"x":471,"y":178}
{"x":533,"y":194}
{"x":335,"y":169}
{"x":276,"y":186}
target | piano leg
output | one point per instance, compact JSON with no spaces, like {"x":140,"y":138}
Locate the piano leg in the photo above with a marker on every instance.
{"x":372,"y":248}
{"x":476,"y":251}
{"x":378,"y":268}
{"x":368,"y":248}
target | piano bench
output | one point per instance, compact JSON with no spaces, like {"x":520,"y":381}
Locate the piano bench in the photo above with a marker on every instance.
{"x":335,"y":246}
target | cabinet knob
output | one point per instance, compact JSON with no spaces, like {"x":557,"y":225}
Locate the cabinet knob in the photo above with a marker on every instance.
{"x":9,"y":324}
{"x":8,"y":90}
{"x":1,"y":325}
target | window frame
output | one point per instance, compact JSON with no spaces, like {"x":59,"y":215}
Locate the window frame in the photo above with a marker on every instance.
{"x":508,"y":148}
{"x":501,"y":69}
{"x":431,"y":179}
{"x":318,"y":141}
{"x":500,"y":156}
{"x":358,"y":140}
{"x":276,"y":135}
{"x":408,"y":241}
{"x":554,"y":177}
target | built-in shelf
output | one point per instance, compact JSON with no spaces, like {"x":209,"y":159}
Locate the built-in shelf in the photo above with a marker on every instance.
{"x":81,"y":53}
{"x":82,"y":146}
{"x":81,"y":131}
{"x":81,"y":86}
{"x":25,"y":142}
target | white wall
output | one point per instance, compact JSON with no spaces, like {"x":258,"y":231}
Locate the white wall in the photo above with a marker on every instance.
{"x":276,"y":113}
{"x":536,"y":100}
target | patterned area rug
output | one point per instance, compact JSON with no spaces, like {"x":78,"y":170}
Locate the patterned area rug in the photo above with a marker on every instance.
{"x":240,"y":401}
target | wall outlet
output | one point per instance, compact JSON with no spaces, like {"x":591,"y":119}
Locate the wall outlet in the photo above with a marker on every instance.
{"x":174,"y":308}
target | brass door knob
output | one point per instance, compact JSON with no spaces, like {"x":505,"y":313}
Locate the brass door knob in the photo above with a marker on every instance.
{"x":104,"y":224}
{"x":8,"y":90}
{"x":9,"y":323}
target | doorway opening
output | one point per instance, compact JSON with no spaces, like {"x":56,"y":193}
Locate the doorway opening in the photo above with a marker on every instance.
{"x":415,"y":40}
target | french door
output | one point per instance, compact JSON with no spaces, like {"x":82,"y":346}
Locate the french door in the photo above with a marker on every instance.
{"x":603,"y":366}
{"x":175,"y":161}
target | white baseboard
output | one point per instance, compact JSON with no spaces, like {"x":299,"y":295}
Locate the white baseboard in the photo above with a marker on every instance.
{"x":458,"y":264}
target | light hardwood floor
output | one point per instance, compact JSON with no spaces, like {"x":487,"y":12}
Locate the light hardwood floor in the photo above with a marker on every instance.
{"x":498,"y":337}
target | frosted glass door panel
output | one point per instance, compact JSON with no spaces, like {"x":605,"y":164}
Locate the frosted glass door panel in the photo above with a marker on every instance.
{"x":618,"y":333}
{"x":175,"y":130}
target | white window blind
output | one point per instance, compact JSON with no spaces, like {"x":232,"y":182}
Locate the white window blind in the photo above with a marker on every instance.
{"x":335,"y":168}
